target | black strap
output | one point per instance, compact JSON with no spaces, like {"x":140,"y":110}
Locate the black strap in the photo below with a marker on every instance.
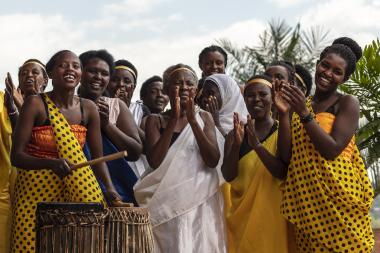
{"x":333,"y":108}
{"x":245,"y":148}
{"x":47,"y":121}
{"x":82,"y":123}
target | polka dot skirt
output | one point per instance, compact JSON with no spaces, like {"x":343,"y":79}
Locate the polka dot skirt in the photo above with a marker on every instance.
{"x":327,"y":200}
{"x":33,"y":186}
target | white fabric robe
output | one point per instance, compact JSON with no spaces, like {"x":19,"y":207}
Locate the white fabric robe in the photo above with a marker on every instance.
{"x":183,"y":199}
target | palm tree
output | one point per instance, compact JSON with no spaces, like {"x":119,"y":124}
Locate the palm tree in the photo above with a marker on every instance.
{"x":278,"y":42}
{"x":365,"y":85}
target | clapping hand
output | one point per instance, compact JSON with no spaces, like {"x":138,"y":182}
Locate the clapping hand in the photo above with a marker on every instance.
{"x":123,"y":95}
{"x":251,"y":132}
{"x":176,"y":109}
{"x":190,"y":106}
{"x":296,"y":99}
{"x":104,"y":111}
{"x":15,"y":94}
{"x":238,"y":130}
{"x":212,"y":107}
{"x":281,"y":104}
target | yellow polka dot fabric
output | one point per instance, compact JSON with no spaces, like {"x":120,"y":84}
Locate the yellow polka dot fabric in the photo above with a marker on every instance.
{"x":327,"y":200}
{"x":33,"y":186}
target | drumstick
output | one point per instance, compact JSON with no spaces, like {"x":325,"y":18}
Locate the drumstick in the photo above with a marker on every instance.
{"x":106,"y":158}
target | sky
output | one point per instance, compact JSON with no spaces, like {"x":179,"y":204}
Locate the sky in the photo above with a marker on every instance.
{"x":155,"y":34}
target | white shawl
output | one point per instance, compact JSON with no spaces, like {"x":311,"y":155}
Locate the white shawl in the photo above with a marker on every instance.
{"x":232,"y":100}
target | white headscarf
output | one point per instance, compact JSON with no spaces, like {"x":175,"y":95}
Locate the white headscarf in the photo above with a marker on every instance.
{"x":232,"y":100}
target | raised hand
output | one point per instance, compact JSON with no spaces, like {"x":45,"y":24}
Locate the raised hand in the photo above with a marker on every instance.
{"x":123,"y":95}
{"x":212,"y":107}
{"x":281,"y":104}
{"x":16,"y":94}
{"x":296,"y":99}
{"x":104,"y":111}
{"x":190,"y":107}
{"x":176,"y":110}
{"x":238,"y":130}
{"x":251,"y":133}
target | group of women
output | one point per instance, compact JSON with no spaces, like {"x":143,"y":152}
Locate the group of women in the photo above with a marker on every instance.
{"x":259,"y":167}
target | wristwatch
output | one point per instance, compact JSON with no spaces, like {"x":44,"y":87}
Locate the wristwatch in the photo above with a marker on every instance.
{"x":307,"y":118}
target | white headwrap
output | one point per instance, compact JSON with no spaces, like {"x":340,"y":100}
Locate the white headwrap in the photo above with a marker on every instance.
{"x":232,"y":100}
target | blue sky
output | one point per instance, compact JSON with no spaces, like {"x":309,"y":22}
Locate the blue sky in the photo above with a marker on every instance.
{"x":155,"y":34}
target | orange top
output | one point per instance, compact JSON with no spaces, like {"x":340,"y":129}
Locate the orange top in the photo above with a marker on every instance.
{"x":42,"y":143}
{"x":326,"y":121}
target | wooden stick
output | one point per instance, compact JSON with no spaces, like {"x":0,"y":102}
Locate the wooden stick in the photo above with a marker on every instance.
{"x":106,"y":158}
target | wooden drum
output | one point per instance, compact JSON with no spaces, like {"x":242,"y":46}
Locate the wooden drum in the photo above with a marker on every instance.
{"x":70,"y":227}
{"x":128,"y":230}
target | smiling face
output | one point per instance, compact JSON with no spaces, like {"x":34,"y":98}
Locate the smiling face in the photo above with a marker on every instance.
{"x":95,"y":77}
{"x":213,"y":63}
{"x":210,"y":89}
{"x":258,"y":99}
{"x":185,"y":81}
{"x":31,"y":79}
{"x":122,"y":80}
{"x":154,"y":98}
{"x":330,"y":73}
{"x":67,"y":71}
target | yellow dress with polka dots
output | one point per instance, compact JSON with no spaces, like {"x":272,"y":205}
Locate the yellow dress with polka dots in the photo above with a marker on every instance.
{"x":32,"y":186}
{"x":328,"y":201}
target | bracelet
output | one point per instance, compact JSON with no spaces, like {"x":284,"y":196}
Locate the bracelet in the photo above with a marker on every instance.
{"x":13,"y":113}
{"x":307,"y":118}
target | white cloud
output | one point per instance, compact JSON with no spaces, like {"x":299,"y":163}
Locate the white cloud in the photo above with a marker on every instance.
{"x":287,"y":3}
{"x":154,"y":56}
{"x":38,"y":36}
{"x":131,"y":7}
{"x":359,"y":19}
{"x":34,"y":36}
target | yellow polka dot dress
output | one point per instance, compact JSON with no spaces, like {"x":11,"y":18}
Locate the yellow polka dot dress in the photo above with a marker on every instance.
{"x":33,"y":186}
{"x":327,"y":200}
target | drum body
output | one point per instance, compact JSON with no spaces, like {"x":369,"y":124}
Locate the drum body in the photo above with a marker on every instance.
{"x":128,"y":230}
{"x":70,"y":227}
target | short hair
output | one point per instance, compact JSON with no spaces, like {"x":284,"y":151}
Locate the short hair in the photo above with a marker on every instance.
{"x":145,"y":85}
{"x":346,"y":48}
{"x":101,"y":54}
{"x":51,"y":63}
{"x":128,"y":64}
{"x":212,"y":48}
{"x":167,"y":73}
{"x":288,"y":66}
{"x":306,"y":77}
{"x":43,"y":68}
